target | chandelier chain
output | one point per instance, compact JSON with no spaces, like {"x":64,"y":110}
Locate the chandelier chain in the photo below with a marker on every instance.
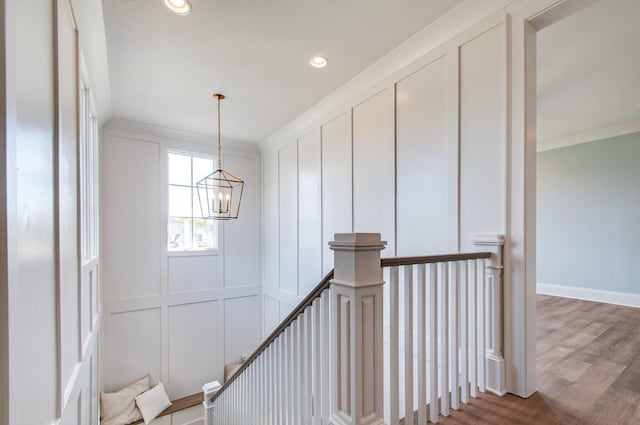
{"x":219,"y":144}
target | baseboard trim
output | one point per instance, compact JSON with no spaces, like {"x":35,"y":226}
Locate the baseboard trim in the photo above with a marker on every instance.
{"x":598,"y":295}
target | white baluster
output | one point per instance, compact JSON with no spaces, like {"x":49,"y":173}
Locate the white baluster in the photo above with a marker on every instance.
{"x":238,"y":400}
{"x":473,"y":376}
{"x":309,"y":365}
{"x":464,"y":342}
{"x":453,"y":335}
{"x":288,"y":373}
{"x":357,"y":323}
{"x":244,"y":398}
{"x":241,"y":399}
{"x":408,"y":345}
{"x":261,"y":389}
{"x":253,"y":392}
{"x":281,"y":367}
{"x":394,"y":347}
{"x":231,"y":402}
{"x":317,"y":370}
{"x":222,"y":408}
{"x":422,"y":345}
{"x":481,"y":326}
{"x":434,"y":411}
{"x":272,"y":386}
{"x":443,"y":279}
{"x":292,"y":371}
{"x":304,"y":367}
{"x":235,"y":401}
{"x":298,"y":367}
{"x":326,"y":369}
{"x":265,"y":388}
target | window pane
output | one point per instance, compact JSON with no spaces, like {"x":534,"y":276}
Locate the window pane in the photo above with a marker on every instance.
{"x":179,"y":169}
{"x":204,"y":233}
{"x":202,"y":167}
{"x":187,"y":229}
{"x":179,"y":201}
{"x":179,"y":233}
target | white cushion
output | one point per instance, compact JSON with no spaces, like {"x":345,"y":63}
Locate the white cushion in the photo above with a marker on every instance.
{"x":230,"y":370}
{"x":153,"y":402}
{"x":119,"y":408}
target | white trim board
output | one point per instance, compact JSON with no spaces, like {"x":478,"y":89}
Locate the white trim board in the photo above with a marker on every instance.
{"x":598,"y":295}
{"x":589,"y":136}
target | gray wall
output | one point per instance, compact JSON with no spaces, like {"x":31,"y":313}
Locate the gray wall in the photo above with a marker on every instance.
{"x":589,"y":215}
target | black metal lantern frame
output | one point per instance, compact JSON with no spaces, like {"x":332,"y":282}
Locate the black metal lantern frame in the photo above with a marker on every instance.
{"x":220,"y":193}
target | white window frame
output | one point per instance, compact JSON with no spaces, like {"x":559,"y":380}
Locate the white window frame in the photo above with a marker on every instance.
{"x":188,"y":252}
{"x":89,"y":177}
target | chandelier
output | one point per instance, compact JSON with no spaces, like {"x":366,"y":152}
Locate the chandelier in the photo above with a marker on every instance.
{"x":220,"y":193}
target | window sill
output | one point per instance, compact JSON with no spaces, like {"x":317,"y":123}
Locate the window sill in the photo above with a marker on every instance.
{"x":193,"y":253}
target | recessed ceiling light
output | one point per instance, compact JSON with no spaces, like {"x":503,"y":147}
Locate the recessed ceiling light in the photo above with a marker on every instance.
{"x":179,"y":7}
{"x":318,"y":62}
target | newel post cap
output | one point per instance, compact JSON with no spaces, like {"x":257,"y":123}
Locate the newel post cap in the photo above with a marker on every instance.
{"x":357,"y":242}
{"x":357,"y":259}
{"x":209,"y":389}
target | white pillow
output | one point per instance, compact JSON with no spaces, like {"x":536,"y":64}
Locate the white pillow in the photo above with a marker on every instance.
{"x":153,"y":402}
{"x":119,"y":407}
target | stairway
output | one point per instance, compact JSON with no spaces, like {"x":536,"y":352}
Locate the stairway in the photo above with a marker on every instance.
{"x":374,"y":339}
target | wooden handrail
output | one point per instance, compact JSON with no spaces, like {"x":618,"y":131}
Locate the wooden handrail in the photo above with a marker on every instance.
{"x":406,"y":261}
{"x":306,"y":302}
{"x":324,"y":284}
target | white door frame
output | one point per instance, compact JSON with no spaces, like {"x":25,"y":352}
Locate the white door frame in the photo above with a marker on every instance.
{"x":524,"y":19}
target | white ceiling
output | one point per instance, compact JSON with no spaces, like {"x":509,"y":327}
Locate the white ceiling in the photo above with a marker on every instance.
{"x":589,"y":70}
{"x":163,"y":68}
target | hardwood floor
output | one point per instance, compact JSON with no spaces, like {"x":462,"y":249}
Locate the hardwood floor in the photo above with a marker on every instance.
{"x":588,"y":359}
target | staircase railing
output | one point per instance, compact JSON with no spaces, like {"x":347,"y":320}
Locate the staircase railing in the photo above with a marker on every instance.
{"x":356,"y":351}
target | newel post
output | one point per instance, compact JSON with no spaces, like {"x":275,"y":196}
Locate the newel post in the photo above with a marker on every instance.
{"x":356,"y":328}
{"x":209,"y":390}
{"x":494,"y":272}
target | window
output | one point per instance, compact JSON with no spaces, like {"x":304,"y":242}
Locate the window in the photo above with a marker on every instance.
{"x":89,"y":173}
{"x":187,"y":229}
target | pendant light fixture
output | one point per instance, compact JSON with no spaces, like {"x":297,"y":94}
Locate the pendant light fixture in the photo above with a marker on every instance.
{"x":220,"y":193}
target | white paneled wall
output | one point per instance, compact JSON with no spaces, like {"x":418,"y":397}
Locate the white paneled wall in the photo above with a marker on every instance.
{"x":419,"y":157}
{"x":483,"y":132}
{"x":422,"y":155}
{"x":198,"y":317}
{"x":241,"y":241}
{"x":336,"y":179}
{"x":67,"y":195}
{"x":309,"y":208}
{"x":270,"y":219}
{"x":136,"y":167}
{"x":373,"y":167}
{"x":52,"y":285}
{"x":288,"y":218}
{"x":179,"y":317}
